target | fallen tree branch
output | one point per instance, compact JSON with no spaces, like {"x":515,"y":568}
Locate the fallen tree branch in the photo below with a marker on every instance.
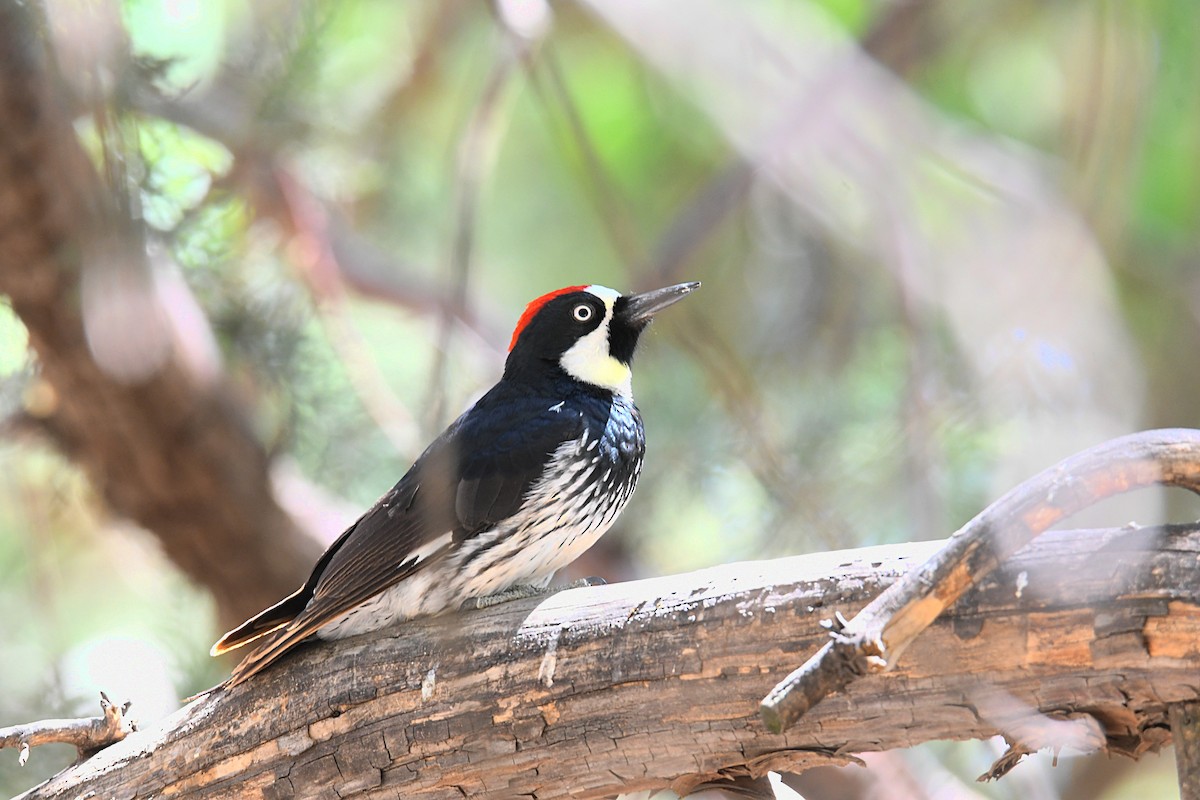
{"x":1085,"y":637}
{"x":874,"y":639}
{"x":88,"y":735}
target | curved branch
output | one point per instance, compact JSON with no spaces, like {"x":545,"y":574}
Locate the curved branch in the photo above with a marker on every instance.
{"x":875,"y":639}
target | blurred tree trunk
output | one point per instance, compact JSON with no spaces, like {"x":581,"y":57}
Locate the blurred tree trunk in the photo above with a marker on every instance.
{"x":1081,"y":640}
{"x":163,"y":442}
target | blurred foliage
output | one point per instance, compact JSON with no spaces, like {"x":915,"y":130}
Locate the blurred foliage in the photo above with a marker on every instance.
{"x":826,"y":388}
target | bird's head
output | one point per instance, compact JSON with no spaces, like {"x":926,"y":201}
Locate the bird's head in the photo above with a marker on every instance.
{"x":587,"y":332}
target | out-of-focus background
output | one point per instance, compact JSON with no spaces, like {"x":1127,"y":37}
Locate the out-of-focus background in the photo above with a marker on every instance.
{"x":943,"y":245}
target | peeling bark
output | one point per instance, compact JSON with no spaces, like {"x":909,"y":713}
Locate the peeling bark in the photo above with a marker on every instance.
{"x":1082,"y":639}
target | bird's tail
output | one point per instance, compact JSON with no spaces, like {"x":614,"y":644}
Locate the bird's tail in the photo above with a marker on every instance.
{"x":258,"y":626}
{"x":278,"y":642}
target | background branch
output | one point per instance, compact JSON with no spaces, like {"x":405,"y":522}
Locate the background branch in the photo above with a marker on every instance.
{"x":167,"y":447}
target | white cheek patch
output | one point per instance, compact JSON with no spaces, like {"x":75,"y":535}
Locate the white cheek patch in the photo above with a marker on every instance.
{"x":588,"y":359}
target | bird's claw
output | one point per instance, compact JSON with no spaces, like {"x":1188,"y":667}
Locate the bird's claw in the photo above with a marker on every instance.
{"x":519,"y":592}
{"x":524,"y":591}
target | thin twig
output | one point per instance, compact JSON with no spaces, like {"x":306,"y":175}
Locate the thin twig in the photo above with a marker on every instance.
{"x":476,"y":147}
{"x":612,"y":210}
{"x":311,"y":251}
{"x":875,"y":638}
{"x":698,"y":220}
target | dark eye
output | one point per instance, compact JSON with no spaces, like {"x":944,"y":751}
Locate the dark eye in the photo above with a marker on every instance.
{"x":582,"y":312}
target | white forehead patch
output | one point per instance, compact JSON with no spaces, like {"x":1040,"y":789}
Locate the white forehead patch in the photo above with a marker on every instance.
{"x":609,"y":296}
{"x":588,"y":359}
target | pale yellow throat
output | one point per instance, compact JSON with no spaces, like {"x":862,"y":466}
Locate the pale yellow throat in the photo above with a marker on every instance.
{"x":588,"y":359}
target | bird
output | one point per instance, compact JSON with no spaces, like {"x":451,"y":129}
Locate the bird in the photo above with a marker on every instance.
{"x":522,"y":483}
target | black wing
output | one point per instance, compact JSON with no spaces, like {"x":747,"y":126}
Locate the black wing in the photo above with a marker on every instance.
{"x":474,"y":475}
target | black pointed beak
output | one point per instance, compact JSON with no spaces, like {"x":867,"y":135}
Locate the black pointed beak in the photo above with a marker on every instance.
{"x":640,"y":308}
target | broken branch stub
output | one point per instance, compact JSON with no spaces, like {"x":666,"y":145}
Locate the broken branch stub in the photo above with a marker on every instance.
{"x":876,"y":637}
{"x":88,"y":735}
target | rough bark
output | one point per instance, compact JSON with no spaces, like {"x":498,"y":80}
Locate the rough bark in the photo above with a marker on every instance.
{"x":170,"y":451}
{"x":1083,"y":639}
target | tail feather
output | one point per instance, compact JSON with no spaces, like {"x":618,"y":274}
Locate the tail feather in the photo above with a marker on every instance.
{"x":281,"y":641}
{"x":263,"y":623}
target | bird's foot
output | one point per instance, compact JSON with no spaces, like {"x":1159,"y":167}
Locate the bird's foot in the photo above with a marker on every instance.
{"x":518,"y":592}
{"x":523,"y":591}
{"x":594,"y":580}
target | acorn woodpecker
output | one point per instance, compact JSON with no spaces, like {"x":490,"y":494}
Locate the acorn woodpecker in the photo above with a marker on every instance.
{"x":516,"y":488}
